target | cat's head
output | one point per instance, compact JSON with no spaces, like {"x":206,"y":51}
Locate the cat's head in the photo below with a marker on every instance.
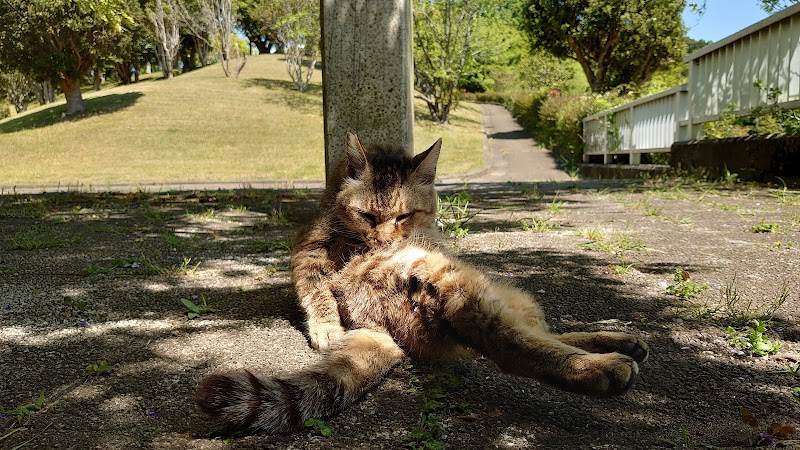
{"x":387,"y":196}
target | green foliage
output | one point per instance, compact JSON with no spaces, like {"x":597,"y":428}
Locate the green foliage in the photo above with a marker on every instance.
{"x":617,"y":244}
{"x":434,"y":398}
{"x":453,"y":213}
{"x":319,"y":427}
{"x":728,"y":125}
{"x":765,"y":227}
{"x":74,"y":306}
{"x":195,"y":310}
{"x":5,"y":110}
{"x":100,"y":367}
{"x":35,"y":239}
{"x":753,"y":340}
{"x":498,"y":49}
{"x":444,"y":39}
{"x":617,"y":43}
{"x":684,"y":286}
{"x":560,"y":121}
{"x":762,"y":120}
{"x":537,"y":225}
{"x":23,"y":413}
{"x":621,"y":269}
{"x":738,"y":311}
{"x":60,"y":40}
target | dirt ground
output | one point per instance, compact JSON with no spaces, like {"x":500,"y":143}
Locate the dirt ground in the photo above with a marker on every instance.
{"x":93,"y":277}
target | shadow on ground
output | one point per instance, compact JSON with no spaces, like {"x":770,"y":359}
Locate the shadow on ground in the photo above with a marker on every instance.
{"x":57,"y":114}
{"x":90,"y":277}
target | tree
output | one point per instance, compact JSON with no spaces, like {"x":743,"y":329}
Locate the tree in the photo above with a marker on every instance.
{"x":258,"y":33}
{"x":16,"y":87}
{"x":297,"y":29}
{"x":167,"y":32}
{"x":60,"y":40}
{"x":443,"y":46}
{"x":616,"y":42}
{"x":213,"y":21}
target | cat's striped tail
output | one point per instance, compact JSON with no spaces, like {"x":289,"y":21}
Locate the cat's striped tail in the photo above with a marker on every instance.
{"x":354,"y":364}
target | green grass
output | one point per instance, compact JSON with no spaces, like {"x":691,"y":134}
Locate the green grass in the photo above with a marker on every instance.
{"x":201,"y":126}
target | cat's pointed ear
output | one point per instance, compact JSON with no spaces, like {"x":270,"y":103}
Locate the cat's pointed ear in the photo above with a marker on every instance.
{"x":425,"y":163}
{"x":356,"y":157}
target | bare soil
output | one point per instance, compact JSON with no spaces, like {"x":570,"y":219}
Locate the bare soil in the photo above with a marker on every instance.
{"x":86,"y":277}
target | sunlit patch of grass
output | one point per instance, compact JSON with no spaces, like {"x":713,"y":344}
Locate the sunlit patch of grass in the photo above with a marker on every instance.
{"x":617,"y":244}
{"x":140,"y":138}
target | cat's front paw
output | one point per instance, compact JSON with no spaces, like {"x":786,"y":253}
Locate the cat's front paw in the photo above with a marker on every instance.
{"x":603,"y":374}
{"x":322,"y":335}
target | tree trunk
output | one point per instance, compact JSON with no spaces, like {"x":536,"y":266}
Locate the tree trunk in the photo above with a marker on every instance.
{"x":72,"y":90}
{"x":98,"y":79}
{"x":261,"y":45}
{"x":44,"y":92}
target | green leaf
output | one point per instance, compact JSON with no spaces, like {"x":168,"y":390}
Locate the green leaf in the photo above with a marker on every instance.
{"x":190,"y":305}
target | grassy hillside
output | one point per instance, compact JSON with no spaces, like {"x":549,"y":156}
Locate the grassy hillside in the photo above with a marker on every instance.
{"x":199,"y":126}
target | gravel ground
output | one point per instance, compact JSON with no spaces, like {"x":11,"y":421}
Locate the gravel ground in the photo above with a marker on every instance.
{"x":87,"y":277}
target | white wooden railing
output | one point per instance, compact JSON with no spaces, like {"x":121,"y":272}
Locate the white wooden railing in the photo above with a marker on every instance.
{"x":720,"y":74}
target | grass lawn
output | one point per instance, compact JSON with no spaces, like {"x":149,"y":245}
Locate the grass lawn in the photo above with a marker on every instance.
{"x":200,"y":126}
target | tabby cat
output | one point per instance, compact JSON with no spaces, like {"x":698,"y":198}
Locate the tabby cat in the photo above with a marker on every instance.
{"x":376,"y":287}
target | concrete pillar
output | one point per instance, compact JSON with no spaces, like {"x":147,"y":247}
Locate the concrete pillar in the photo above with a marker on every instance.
{"x":367,"y":74}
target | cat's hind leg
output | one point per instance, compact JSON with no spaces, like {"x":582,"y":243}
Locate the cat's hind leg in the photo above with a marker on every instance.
{"x":507,"y":325}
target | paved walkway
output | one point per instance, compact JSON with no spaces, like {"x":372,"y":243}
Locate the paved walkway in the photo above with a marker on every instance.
{"x":513,"y":153}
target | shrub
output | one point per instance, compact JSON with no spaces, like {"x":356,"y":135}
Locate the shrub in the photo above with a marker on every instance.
{"x":561,"y":117}
{"x":524,"y":106}
{"x":4,"y":110}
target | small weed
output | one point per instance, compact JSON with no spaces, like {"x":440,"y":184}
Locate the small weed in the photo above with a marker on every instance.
{"x":621,"y":269}
{"x":678,"y":220}
{"x":617,"y":244}
{"x":152,"y":216}
{"x":683,"y":441}
{"x":753,"y":340}
{"x":796,"y":394}
{"x":35,"y":239}
{"x":23,"y":413}
{"x":173,"y":241}
{"x":74,"y":306}
{"x":778,"y":245}
{"x":537,"y":225}
{"x":195,"y":310}
{"x":5,"y":269}
{"x":532,"y":193}
{"x":434,"y":403}
{"x":652,"y":210}
{"x":728,"y":206}
{"x":793,"y":369}
{"x":206,"y":216}
{"x":318,"y":427}
{"x":556,"y":206}
{"x":765,"y":227}
{"x":184,"y":268}
{"x":785,"y":195}
{"x":100,"y":367}
{"x":684,"y":286}
{"x":774,"y":433}
{"x":739,"y":312}
{"x":453,"y":213}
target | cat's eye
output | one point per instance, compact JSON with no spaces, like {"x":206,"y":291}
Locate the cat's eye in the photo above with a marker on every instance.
{"x":403,"y":217}
{"x":368,"y":217}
